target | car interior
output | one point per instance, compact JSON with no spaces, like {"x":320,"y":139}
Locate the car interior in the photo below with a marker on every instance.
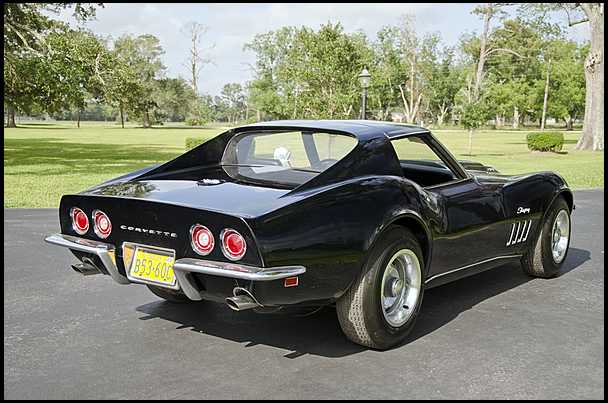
{"x":426,"y":173}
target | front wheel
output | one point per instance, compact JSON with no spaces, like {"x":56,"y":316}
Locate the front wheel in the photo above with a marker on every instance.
{"x":545,"y":257}
{"x":380,"y":308}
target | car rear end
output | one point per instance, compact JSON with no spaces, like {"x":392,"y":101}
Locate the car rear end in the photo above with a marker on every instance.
{"x":186,"y":225}
{"x":202,"y":253}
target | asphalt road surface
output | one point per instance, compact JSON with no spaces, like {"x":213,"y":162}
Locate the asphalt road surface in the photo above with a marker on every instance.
{"x":498,"y":334}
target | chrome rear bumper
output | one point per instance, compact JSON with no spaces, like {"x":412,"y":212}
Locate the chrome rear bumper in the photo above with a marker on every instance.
{"x":104,"y":251}
{"x":182,"y":267}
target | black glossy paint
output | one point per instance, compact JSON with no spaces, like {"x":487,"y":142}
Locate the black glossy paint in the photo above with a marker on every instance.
{"x":329,"y":223}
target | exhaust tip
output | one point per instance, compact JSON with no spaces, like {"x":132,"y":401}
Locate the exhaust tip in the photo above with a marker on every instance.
{"x":241,"y":303}
{"x":232,"y":305}
{"x":86,"y":268}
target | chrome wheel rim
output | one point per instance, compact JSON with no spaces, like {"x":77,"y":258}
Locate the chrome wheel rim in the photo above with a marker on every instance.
{"x":560,"y":236}
{"x":400,"y":290}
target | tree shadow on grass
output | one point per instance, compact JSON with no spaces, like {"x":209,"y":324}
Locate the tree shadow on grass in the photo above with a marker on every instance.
{"x":75,"y":158}
{"x":35,"y":125}
{"x":320,"y":334}
{"x":465,"y":156}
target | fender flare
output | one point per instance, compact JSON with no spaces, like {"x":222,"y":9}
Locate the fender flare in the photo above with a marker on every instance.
{"x":559,"y":192}
{"x":400,"y":215}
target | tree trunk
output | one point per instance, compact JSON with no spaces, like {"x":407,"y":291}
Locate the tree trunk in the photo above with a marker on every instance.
{"x":544,"y":117}
{"x":122,"y":116}
{"x":146,"y":119}
{"x":515,"y":118}
{"x":592,"y":137}
{"x":482,"y":50}
{"x":10,"y":118}
{"x":569,"y":122}
{"x":413,"y":72}
{"x":78,"y":118}
{"x":497,"y":121}
{"x":440,"y":119}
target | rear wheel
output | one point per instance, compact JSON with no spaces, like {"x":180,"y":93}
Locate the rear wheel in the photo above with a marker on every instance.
{"x":169,"y":295}
{"x":381,"y":307}
{"x":545,"y":257}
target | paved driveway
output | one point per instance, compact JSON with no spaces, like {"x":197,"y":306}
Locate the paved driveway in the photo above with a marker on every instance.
{"x":498,"y":334}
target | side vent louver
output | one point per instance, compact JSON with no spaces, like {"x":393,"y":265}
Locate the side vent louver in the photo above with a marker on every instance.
{"x":519,"y":232}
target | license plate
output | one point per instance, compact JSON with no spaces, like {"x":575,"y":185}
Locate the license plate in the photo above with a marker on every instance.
{"x":153,"y":266}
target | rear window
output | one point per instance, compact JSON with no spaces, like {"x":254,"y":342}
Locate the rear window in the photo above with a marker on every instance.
{"x":287,"y":158}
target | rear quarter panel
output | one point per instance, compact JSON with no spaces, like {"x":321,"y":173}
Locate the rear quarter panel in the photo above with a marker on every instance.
{"x":330,"y":233}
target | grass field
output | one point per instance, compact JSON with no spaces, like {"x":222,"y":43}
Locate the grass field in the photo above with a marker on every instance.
{"x":43,"y":161}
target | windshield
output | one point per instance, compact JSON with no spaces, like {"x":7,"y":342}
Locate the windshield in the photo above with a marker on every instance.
{"x":288,"y":158}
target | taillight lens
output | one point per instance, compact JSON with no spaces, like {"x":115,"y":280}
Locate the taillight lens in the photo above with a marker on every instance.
{"x":233,"y":244}
{"x":202,"y":239}
{"x":101,"y":224}
{"x":80,"y":221}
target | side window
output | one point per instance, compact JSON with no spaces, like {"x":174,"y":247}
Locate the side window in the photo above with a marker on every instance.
{"x":333,"y":146}
{"x":420,"y":163}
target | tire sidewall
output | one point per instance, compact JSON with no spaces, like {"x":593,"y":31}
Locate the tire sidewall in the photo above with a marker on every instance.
{"x":546,"y":237}
{"x":384,"y":334}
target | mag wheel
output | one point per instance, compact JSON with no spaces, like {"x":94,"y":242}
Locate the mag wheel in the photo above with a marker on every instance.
{"x":380,"y":308}
{"x":169,"y":295}
{"x":545,"y":257}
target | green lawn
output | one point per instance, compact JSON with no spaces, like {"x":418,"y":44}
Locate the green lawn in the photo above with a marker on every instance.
{"x":43,"y":161}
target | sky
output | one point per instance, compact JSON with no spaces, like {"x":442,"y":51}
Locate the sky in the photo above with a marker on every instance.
{"x":232,"y":25}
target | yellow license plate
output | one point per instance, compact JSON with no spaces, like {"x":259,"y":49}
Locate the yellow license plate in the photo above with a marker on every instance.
{"x":151,"y":266}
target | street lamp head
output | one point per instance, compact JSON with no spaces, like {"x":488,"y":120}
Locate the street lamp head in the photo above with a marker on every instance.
{"x":364,"y":78}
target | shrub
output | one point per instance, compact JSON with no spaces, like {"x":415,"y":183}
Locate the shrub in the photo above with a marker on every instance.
{"x":545,"y":141}
{"x":192,"y":142}
{"x":195,"y":122}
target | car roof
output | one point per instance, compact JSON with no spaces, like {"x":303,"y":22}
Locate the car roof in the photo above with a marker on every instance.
{"x":362,"y":129}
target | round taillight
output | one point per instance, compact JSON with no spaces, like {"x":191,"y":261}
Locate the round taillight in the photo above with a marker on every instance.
{"x":202,"y":239}
{"x":80,"y":221}
{"x":233,"y":244}
{"x":101,"y":224}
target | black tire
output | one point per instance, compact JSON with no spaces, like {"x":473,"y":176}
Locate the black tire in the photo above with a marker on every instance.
{"x":537,"y":260}
{"x":167,"y":294}
{"x":360,"y":310}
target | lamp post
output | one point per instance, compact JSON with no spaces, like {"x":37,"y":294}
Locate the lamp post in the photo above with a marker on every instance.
{"x":364,"y":79}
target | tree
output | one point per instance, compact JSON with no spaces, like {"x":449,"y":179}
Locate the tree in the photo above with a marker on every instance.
{"x":488,"y":11}
{"x":307,"y":73}
{"x":25,"y":28}
{"x":387,"y":72}
{"x":472,"y":110}
{"x":174,"y":99}
{"x":410,"y":50}
{"x":121,"y":86}
{"x":473,"y":117}
{"x":566,"y":94}
{"x":141,"y":57}
{"x":196,"y":61}
{"x":592,"y":137}
{"x":234,"y":99}
{"x":519,"y":66}
{"x":71,"y":70}
{"x":445,"y":81}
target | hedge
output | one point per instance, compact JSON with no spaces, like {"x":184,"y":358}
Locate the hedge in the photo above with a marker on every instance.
{"x":545,"y":141}
{"x":192,"y":142}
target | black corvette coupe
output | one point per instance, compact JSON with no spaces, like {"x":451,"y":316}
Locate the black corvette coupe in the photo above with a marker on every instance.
{"x":361,"y":214}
